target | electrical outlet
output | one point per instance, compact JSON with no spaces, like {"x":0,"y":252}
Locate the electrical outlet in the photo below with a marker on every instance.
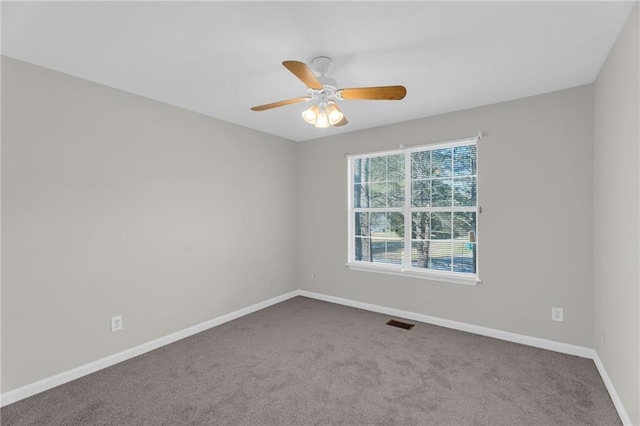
{"x":116,"y":323}
{"x":557,"y":314}
{"x":314,"y":275}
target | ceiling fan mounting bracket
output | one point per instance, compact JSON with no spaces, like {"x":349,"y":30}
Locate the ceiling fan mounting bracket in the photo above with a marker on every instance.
{"x":321,"y":64}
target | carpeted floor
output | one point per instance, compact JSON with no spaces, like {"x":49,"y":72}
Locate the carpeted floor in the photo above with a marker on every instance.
{"x":305,"y":361}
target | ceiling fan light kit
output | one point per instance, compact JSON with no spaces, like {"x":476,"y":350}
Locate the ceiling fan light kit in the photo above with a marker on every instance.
{"x":323,"y":116}
{"x":323,"y":92}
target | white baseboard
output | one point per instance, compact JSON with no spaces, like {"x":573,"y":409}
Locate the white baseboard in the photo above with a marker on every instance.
{"x":75,"y":373}
{"x":617,"y":402}
{"x":470,"y":328}
{"x":551,"y":345}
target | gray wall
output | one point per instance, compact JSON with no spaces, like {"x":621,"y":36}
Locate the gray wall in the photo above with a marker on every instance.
{"x":535,"y":166}
{"x":113,"y":204}
{"x":616,"y":207}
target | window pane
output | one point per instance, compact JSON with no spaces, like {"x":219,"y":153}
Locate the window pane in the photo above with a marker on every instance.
{"x":440,"y":256}
{"x":464,"y":160}
{"x":379,"y":223}
{"x":420,"y":254}
{"x":361,"y":170}
{"x":360,"y":195}
{"x":395,"y":194}
{"x":395,"y":167}
{"x":441,"y":192}
{"x":377,"y":171}
{"x":377,"y":194}
{"x":464,"y":192}
{"x":420,"y":225}
{"x":464,"y":257}
{"x":387,"y":250}
{"x":379,"y":249}
{"x":420,"y":165}
{"x":395,"y":251}
{"x":358,"y":170}
{"x":463,"y":223}
{"x":441,"y":162}
{"x":435,"y":255}
{"x":421,"y":193}
{"x":396,"y":222}
{"x":387,"y":231}
{"x":362,"y":246}
{"x":362,"y":224}
{"x":387,"y":225}
{"x":441,"y":226}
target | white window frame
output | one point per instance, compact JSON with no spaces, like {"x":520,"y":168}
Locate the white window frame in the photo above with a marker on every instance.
{"x":406,"y":269}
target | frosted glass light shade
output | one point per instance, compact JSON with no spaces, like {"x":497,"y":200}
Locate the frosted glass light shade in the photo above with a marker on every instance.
{"x":310,"y":114}
{"x":335,"y":116}
{"x":322,"y":121}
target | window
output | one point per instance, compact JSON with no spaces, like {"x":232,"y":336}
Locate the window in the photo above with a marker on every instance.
{"x":414,"y":212}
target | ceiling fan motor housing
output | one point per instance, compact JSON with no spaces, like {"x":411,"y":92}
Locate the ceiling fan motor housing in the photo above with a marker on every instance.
{"x":328,"y":83}
{"x":328,"y":92}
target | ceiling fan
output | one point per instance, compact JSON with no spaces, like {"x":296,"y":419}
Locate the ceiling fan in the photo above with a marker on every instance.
{"x":323,"y":93}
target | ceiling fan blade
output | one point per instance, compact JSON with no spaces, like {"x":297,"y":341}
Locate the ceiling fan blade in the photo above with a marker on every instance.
{"x":304,"y":73}
{"x":279,"y":104}
{"x":389,"y":93}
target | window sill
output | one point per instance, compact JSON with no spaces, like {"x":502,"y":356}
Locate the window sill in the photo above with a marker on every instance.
{"x":464,"y":279}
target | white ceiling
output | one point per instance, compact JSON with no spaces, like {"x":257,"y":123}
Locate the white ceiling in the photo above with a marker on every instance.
{"x":221,"y":58}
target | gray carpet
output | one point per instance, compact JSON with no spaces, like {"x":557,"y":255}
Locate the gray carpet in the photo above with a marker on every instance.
{"x":305,"y":361}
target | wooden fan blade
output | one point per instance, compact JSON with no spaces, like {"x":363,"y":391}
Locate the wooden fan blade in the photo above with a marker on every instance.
{"x":389,"y":93}
{"x":279,"y":104}
{"x":304,"y":73}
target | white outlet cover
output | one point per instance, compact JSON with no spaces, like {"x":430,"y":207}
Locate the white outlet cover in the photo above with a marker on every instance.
{"x":116,"y":323}
{"x":557,"y":314}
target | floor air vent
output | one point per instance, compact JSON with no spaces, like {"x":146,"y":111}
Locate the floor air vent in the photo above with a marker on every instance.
{"x":400,"y":324}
